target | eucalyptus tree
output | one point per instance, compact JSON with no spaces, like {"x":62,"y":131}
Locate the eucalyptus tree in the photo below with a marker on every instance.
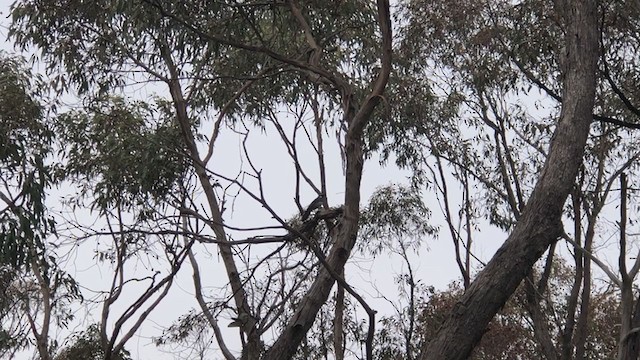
{"x":217,"y":62}
{"x":534,"y":220}
{"x":36,"y":292}
{"x":25,"y":141}
{"x":501,"y":51}
{"x":24,"y":179}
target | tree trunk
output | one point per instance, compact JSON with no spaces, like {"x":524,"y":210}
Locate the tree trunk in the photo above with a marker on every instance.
{"x":566,"y":337}
{"x":253,"y":347}
{"x":296,"y":329}
{"x":338,"y":323}
{"x":582,"y":324}
{"x":630,"y":343}
{"x":630,"y":318}
{"x":541,"y":329}
{"x":540,"y":223}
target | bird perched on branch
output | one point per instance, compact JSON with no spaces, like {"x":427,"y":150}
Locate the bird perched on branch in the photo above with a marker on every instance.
{"x":241,"y":320}
{"x":315,"y":204}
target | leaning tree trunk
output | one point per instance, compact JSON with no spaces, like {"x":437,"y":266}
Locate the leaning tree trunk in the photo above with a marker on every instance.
{"x":286,"y":345}
{"x":540,"y":223}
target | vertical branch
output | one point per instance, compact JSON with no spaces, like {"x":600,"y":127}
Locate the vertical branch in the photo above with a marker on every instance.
{"x":239,"y":295}
{"x":513,"y":203}
{"x":42,"y":336}
{"x":411,"y":308}
{"x":627,"y":339}
{"x":115,"y":290}
{"x":468,"y":216}
{"x":519,"y":200}
{"x":338,"y":322}
{"x":592,"y":218}
{"x":504,"y":173}
{"x":533,"y":299}
{"x":318,"y":122}
{"x":572,"y":303}
{"x":585,"y":297}
{"x":455,"y":235}
{"x":622,"y":258}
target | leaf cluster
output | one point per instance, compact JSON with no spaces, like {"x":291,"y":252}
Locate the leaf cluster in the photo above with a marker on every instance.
{"x":86,"y":346}
{"x":125,"y":154}
{"x":215,"y":46}
{"x":25,"y":143}
{"x":394,"y":213}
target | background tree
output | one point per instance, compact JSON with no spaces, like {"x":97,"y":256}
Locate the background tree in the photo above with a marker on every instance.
{"x":37,"y":292}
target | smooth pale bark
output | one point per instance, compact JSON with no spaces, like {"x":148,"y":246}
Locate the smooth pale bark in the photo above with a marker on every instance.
{"x":253,"y":346}
{"x":539,"y":226}
{"x":42,"y":336}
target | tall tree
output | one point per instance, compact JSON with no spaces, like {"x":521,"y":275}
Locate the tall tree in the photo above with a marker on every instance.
{"x":36,"y":291}
{"x":241,"y":61}
{"x":540,"y":223}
